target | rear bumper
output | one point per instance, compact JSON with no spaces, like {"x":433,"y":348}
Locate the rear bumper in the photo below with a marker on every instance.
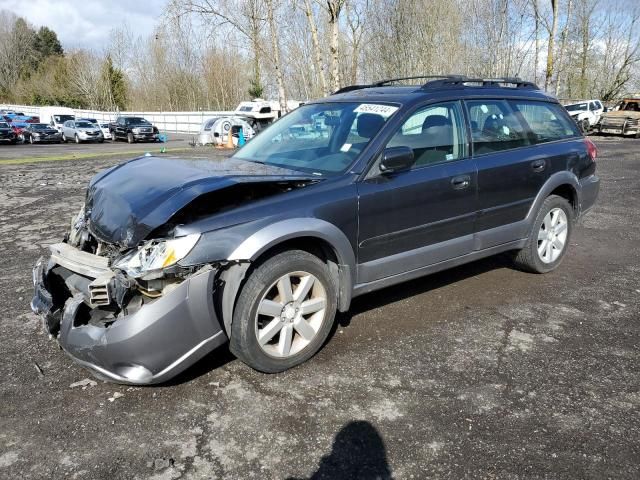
{"x":589,"y":189}
{"x":156,"y":342}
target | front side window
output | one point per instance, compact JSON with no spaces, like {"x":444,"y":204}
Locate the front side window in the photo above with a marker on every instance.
{"x":322,"y":138}
{"x":434,"y":133}
{"x":547,"y":122}
{"x":495,"y":127}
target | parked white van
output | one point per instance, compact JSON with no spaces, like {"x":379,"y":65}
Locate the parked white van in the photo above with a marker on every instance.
{"x":56,"y":116}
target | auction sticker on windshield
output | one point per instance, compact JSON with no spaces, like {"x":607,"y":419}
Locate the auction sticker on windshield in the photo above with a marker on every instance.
{"x":383,"y":110}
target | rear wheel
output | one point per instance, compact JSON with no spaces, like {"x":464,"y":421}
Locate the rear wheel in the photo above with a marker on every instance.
{"x":549,"y":238}
{"x":284,"y":312}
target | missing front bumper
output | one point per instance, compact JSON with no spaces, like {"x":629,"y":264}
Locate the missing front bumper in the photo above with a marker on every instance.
{"x":153,"y":344}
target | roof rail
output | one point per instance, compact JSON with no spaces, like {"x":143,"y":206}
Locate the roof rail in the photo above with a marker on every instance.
{"x":381,"y":83}
{"x":350,"y":88}
{"x":449,"y":81}
{"x":463,"y":81}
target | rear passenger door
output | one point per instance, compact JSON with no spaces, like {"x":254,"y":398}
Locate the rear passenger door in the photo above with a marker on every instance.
{"x":510,"y":173}
{"x":517,"y":144}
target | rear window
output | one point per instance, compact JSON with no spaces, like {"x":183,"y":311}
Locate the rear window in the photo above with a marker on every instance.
{"x":546,"y":121}
{"x":495,"y":127}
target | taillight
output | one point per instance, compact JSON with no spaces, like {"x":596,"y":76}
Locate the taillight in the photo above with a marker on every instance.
{"x":592,"y":150}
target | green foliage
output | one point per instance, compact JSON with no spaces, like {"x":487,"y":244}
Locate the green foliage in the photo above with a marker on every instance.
{"x":255,"y":89}
{"x":114,"y":84}
{"x":46,"y":43}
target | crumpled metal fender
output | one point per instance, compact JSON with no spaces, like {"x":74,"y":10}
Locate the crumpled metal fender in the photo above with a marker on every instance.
{"x":276,"y":233}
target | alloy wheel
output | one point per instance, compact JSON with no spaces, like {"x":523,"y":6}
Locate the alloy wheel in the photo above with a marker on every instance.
{"x":290,"y":314}
{"x":552,"y":236}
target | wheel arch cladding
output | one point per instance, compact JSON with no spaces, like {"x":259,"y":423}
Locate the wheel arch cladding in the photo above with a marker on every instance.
{"x":303,"y":234}
{"x":564,"y":184}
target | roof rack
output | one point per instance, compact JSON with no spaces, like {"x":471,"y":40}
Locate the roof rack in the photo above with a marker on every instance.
{"x":463,"y":81}
{"x":393,"y":80}
{"x":450,"y":81}
{"x":388,"y":81}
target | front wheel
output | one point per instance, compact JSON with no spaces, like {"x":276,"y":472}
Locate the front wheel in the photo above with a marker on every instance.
{"x":549,"y":238}
{"x":130,"y":138}
{"x":284,"y":312}
{"x":64,"y":138}
{"x":584,"y":125}
{"x":31,"y":140}
{"x":77,"y":138}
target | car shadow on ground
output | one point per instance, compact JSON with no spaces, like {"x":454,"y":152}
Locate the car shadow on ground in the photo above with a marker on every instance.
{"x":221,"y":355}
{"x":402,"y":291}
{"x":358,"y":453}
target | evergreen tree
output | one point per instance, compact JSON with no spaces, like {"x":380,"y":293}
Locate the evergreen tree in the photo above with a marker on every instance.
{"x":114,"y":84}
{"x":46,"y":43}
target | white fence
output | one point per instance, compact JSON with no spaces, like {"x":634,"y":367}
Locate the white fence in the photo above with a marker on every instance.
{"x":176,"y":122}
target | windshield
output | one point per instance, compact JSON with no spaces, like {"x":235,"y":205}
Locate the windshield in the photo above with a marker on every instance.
{"x":577,"y":107}
{"x":63,"y":118}
{"x":39,"y":126}
{"x":136,"y":121}
{"x":84,"y":125}
{"x":4,"y":125}
{"x":322,"y":139}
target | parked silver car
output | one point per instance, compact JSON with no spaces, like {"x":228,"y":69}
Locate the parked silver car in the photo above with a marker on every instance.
{"x":81,"y":131}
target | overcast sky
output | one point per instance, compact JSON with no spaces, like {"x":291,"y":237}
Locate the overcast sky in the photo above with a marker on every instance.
{"x":87,"y":23}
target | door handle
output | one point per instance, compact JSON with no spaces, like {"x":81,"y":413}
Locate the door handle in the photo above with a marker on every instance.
{"x":538,"y":165}
{"x":461,"y":182}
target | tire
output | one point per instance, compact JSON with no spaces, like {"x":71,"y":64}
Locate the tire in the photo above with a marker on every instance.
{"x":64,"y":138}
{"x":101,"y":140}
{"x":263,"y":288}
{"x":584,"y":125}
{"x":540,"y":257}
{"x":130,"y":138}
{"x":77,"y":138}
{"x":31,"y":139}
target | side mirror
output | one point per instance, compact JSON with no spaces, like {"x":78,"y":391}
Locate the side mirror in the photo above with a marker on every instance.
{"x":396,"y":159}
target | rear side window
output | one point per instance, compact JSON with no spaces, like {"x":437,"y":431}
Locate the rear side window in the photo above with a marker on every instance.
{"x":495,"y":127}
{"x":546,"y":121}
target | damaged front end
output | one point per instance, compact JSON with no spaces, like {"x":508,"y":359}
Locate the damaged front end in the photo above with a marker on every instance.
{"x":133,"y":316}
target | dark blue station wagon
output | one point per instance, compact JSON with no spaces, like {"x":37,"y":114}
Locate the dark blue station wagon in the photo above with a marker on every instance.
{"x":372,"y":186}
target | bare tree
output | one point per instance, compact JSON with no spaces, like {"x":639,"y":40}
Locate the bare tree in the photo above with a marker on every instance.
{"x":275,"y":45}
{"x":551,"y":43}
{"x":317,"y":53}
{"x":334,"y":9}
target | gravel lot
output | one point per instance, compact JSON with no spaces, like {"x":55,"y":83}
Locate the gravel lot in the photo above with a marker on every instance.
{"x":478,"y":372}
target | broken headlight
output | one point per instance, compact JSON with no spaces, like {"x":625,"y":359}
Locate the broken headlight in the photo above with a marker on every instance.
{"x":156,"y":255}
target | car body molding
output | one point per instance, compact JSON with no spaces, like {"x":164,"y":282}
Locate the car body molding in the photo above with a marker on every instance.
{"x":556,"y":180}
{"x":276,"y":233}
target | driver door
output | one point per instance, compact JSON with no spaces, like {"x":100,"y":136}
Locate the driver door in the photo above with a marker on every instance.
{"x":422,"y":216}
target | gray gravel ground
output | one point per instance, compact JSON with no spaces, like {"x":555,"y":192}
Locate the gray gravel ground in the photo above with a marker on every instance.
{"x":478,"y":372}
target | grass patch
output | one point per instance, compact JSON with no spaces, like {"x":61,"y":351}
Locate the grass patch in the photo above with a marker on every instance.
{"x":85,"y":156}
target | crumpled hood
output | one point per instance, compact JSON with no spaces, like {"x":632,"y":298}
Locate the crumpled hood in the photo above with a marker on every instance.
{"x":127,"y":202}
